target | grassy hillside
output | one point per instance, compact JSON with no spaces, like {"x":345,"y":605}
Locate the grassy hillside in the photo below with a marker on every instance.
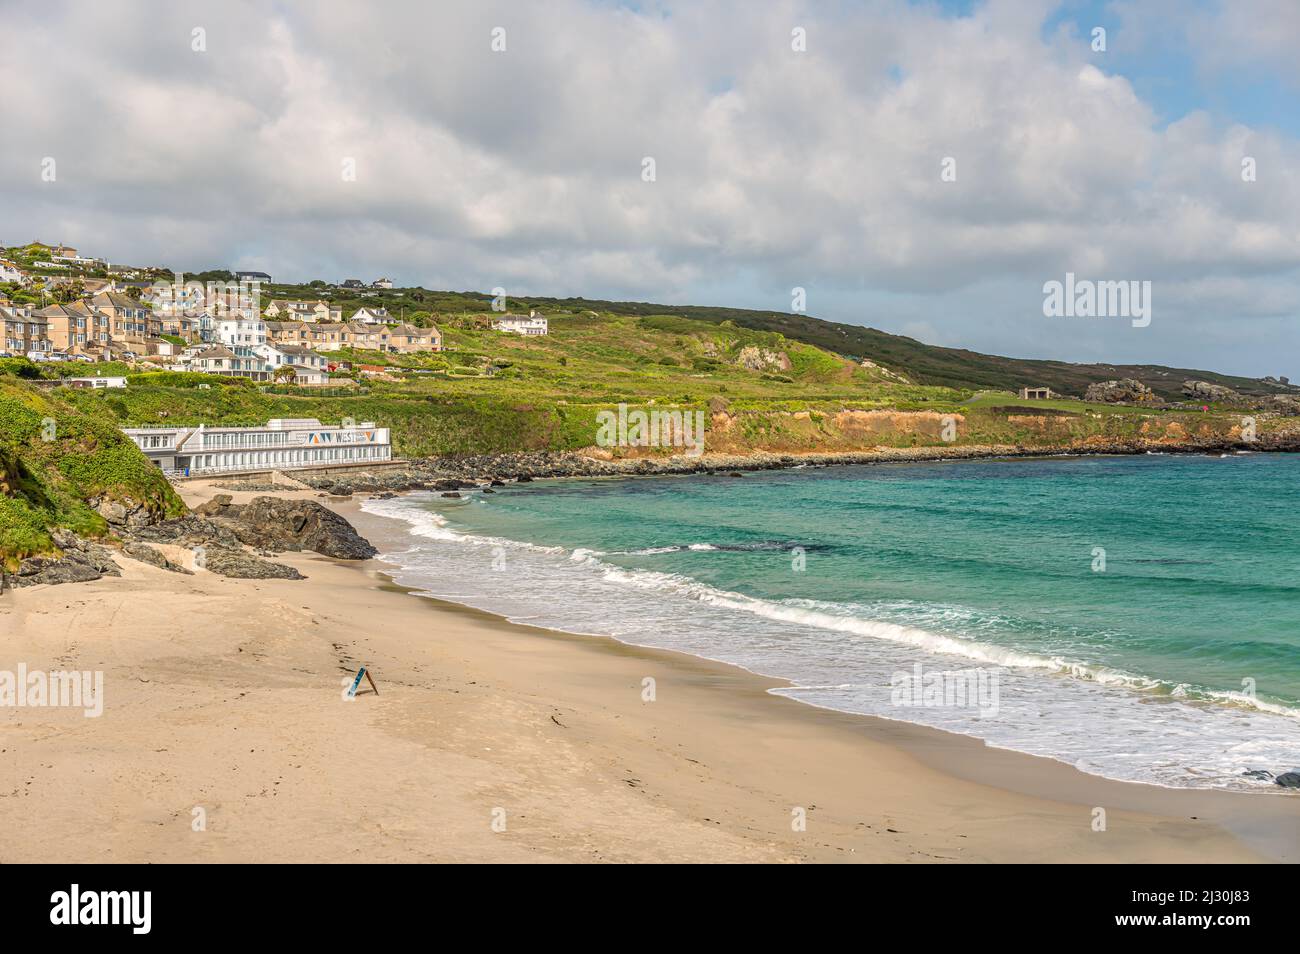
{"x":493,"y":392}
{"x":53,"y":459}
{"x":922,"y":363}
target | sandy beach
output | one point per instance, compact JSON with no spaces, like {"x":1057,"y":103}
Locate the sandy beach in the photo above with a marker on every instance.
{"x":226,"y":736}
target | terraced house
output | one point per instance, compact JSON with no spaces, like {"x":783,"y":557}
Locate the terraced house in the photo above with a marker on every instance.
{"x":129,"y":320}
{"x":22,"y":331}
{"x":75,"y":327}
{"x":330,"y":336}
{"x":319,"y":310}
{"x":406,"y":339}
{"x":289,"y":332}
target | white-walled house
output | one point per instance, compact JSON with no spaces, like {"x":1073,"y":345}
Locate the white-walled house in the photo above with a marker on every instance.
{"x":238,"y":332}
{"x":9,"y":272}
{"x":533,"y":324}
{"x":319,"y":310}
{"x":371,"y":316}
{"x":309,"y":367}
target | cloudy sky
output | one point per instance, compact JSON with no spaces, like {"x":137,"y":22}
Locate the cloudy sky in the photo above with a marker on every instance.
{"x":209,"y":134}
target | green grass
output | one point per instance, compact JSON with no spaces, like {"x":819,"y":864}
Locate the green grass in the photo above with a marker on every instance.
{"x":54,"y":458}
{"x":493,"y":392}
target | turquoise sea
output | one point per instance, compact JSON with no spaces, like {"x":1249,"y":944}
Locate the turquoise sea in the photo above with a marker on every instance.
{"x":1138,"y":617}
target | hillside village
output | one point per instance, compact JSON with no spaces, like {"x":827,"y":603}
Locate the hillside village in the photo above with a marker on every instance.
{"x":61,"y":306}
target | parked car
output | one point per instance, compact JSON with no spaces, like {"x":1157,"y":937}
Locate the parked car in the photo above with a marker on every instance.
{"x":57,"y":356}
{"x":82,"y":357}
{"x":7,"y":354}
{"x":130,"y":356}
{"x":38,"y":356}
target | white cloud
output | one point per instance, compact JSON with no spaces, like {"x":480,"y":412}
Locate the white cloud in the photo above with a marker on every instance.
{"x":522,"y":168}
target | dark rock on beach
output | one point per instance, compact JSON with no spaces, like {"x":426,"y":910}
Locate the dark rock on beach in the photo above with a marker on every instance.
{"x":123,"y":512}
{"x":153,"y":556}
{"x":1288,"y":779}
{"x":226,"y":561}
{"x":81,"y":561}
{"x":219,"y":529}
{"x":277,"y":525}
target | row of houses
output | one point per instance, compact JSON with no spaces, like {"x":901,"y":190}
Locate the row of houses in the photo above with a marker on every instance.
{"x":108,"y":321}
{"x":330,"y":336}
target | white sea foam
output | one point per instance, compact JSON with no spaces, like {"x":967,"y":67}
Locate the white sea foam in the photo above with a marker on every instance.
{"x":1105,"y":721}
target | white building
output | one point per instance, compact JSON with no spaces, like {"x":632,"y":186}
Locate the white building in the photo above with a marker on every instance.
{"x":309,"y":367}
{"x":237,"y":332}
{"x":105,"y":382}
{"x":534,"y":324}
{"x":283,"y":444}
{"x":371,"y":316}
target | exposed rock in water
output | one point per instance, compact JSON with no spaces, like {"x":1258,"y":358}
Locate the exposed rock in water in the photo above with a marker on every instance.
{"x":81,"y":562}
{"x":1288,"y":780}
{"x":1124,"y":391}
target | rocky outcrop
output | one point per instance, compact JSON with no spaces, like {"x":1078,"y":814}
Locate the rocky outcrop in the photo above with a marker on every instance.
{"x":276,"y":524}
{"x":761,"y":359}
{"x":1283,"y":404}
{"x":1209,"y":392}
{"x":190,"y":531}
{"x":219,"y":530}
{"x":124,"y":512}
{"x":227,"y":561}
{"x":80,"y":561}
{"x":1124,"y":391}
{"x":153,"y":556}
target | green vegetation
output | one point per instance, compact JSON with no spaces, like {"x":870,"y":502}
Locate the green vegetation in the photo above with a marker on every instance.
{"x":771,"y":382}
{"x":54,"y":459}
{"x":922,"y":363}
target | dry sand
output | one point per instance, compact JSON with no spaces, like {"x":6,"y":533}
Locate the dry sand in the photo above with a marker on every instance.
{"x":224,"y":704}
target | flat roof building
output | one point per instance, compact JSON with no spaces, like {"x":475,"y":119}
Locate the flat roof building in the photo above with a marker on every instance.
{"x":282,"y":444}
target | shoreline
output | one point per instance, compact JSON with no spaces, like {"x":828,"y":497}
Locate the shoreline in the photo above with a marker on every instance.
{"x":963,"y":756}
{"x":240,"y":714}
{"x":466,"y":471}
